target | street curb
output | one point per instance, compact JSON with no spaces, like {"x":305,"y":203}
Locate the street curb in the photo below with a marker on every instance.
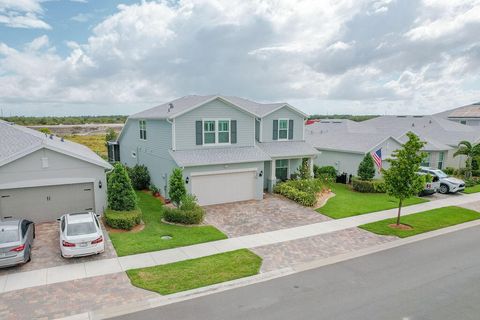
{"x":242,"y":282}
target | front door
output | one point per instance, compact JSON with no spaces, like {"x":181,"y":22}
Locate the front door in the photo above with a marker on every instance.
{"x":281,"y":169}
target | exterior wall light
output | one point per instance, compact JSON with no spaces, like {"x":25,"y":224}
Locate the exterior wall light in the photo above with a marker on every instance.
{"x":187,"y":179}
{"x":100,"y":184}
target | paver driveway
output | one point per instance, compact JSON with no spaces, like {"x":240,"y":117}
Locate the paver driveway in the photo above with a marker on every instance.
{"x":46,"y":250}
{"x":248,"y":217}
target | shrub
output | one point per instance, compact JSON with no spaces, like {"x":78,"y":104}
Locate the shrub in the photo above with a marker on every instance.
{"x":120,"y":194}
{"x":476,"y":173}
{"x":177,"y":187}
{"x":368,"y":186}
{"x":449,"y":170}
{"x":325,"y":171}
{"x":302,"y":191}
{"x":154,"y":190}
{"x":189,"y":212}
{"x":111,"y":135}
{"x":304,"y":169}
{"x":366,"y":169}
{"x":139,"y":176}
{"x":123,"y":219}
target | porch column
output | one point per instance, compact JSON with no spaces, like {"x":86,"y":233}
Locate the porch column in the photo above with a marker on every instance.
{"x":273,"y":179}
{"x":310,"y":164}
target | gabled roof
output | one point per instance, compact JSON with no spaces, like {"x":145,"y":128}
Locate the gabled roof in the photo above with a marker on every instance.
{"x":469,"y":111}
{"x":177,"y":107}
{"x":17,"y":141}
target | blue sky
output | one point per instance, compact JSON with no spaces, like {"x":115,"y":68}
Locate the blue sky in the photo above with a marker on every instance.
{"x":66,"y":57}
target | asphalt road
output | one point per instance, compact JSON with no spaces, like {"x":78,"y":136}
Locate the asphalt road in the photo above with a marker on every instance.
{"x":437,"y":278}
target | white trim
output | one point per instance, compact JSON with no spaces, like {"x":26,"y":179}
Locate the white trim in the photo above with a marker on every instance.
{"x":208,"y":173}
{"x":210,"y":100}
{"x":45,"y":183}
{"x":216,"y":132}
{"x":288,"y":106}
{"x":260,"y":138}
{"x":278,"y":129}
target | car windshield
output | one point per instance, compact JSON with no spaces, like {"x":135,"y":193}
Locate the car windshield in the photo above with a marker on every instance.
{"x":440,"y":174}
{"x":77,"y":229}
{"x":8,"y":235}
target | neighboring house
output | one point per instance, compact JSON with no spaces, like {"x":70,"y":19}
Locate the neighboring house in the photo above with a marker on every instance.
{"x":467,"y":115}
{"x":43,"y":176}
{"x":230,"y":149}
{"x":344,"y":143}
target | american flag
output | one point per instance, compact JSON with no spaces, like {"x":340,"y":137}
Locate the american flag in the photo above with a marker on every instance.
{"x":377,"y":158}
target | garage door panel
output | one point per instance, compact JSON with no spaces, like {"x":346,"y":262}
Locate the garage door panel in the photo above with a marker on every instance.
{"x":42,"y":204}
{"x":224,"y":187}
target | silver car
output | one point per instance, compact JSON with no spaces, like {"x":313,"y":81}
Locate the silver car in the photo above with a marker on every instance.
{"x":16,"y":240}
{"x":448,"y":184}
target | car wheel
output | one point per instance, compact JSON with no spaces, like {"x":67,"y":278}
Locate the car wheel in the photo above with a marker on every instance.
{"x":29,"y":254}
{"x":443,"y":189}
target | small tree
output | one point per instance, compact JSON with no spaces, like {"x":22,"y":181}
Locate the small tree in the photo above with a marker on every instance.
{"x":45,"y":130}
{"x":121,"y":196}
{"x":366,"y":169}
{"x":139,"y":176}
{"x":402,"y":180}
{"x":304,"y":169}
{"x":111,"y":135}
{"x":177,"y":189}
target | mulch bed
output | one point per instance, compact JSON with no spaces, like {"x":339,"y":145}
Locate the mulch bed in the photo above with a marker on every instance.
{"x":401,"y":226}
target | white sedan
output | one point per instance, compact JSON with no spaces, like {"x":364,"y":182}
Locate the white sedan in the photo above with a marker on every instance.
{"x":80,"y":235}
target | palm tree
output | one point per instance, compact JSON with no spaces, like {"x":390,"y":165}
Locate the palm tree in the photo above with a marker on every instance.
{"x":469,"y":150}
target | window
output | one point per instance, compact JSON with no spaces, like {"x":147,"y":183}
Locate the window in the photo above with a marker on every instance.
{"x":281,"y":169}
{"x":441,"y":159}
{"x":143,"y":129}
{"x":209,"y":132}
{"x":282,"y":129}
{"x":223,"y":131}
{"x":426,"y":161}
{"x":463,"y":121}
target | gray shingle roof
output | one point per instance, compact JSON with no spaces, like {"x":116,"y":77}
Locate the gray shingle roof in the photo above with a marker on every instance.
{"x":16,"y":140}
{"x":183,"y":104}
{"x":208,"y":156}
{"x":278,"y":149}
{"x":469,"y":111}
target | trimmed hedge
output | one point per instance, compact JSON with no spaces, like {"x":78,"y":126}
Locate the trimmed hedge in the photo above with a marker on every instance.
{"x":324,"y":171}
{"x":368,"y":186}
{"x":189,"y":212}
{"x":123,"y":219}
{"x":303,"y":191}
{"x":139,"y":176}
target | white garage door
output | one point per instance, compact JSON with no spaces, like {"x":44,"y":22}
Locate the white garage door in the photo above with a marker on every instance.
{"x":47,"y":203}
{"x":221,"y":187}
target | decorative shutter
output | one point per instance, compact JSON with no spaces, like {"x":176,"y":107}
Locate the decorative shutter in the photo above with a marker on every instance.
{"x":199,"y":132}
{"x":290,"y":129}
{"x":275,"y":129}
{"x":233,"y":131}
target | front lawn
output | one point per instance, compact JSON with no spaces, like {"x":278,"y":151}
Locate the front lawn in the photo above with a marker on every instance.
{"x":423,"y":221}
{"x":473,"y":189}
{"x":348,"y":202}
{"x":196,"y":273}
{"x":149,"y":239}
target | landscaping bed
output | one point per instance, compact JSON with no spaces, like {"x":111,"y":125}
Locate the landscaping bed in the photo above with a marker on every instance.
{"x":423,"y":222}
{"x":150,"y":238}
{"x":348,"y":202}
{"x":196,"y":273}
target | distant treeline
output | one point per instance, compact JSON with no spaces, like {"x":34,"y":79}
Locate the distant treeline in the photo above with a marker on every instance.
{"x":343,"y":116}
{"x":50,"y":121}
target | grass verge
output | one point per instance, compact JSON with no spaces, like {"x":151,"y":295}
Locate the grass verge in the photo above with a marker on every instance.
{"x":348,"y":202}
{"x":196,"y":273}
{"x":149,"y":239}
{"x":473,"y":189}
{"x":423,"y":221}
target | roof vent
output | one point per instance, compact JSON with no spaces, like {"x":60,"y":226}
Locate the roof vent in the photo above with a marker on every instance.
{"x":170,"y":107}
{"x":413,"y":124}
{"x":51,"y":136}
{"x":62,"y":139}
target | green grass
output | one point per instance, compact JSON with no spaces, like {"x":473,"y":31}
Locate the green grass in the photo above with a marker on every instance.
{"x":95,"y":142}
{"x":473,"y":189}
{"x":196,"y":273}
{"x":424,"y":221}
{"x":347,"y":202}
{"x":149,"y":239}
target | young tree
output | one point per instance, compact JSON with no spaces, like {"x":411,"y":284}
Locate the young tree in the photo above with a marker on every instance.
{"x":177,"y":187}
{"x":111,"y":135}
{"x":304,"y":169}
{"x":471,"y":151}
{"x":402,"y":180}
{"x":121,"y":196}
{"x":366,"y":169}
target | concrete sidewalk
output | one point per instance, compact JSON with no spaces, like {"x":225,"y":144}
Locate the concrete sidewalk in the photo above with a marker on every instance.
{"x":58,"y":274}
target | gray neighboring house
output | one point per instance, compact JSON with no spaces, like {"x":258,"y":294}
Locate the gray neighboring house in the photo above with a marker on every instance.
{"x":468,"y":115}
{"x":43,"y":177}
{"x":344,"y":143}
{"x":230,"y":148}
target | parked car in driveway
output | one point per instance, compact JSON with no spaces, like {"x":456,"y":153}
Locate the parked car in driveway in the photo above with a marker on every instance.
{"x":448,"y":184}
{"x":16,"y":240}
{"x":80,"y":235}
{"x":430,"y":187}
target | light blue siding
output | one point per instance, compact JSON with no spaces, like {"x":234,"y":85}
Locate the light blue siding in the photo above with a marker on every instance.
{"x":217,"y":109}
{"x":283,"y":113}
{"x":152,"y":152}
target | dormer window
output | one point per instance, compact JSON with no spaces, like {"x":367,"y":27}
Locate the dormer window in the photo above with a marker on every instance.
{"x":283,"y":129}
{"x":143,"y":129}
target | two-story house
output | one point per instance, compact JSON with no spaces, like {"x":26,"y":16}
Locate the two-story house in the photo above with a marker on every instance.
{"x":230,"y":149}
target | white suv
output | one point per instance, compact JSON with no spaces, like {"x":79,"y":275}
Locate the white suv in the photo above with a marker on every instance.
{"x":447,"y":183}
{"x":80,"y":235}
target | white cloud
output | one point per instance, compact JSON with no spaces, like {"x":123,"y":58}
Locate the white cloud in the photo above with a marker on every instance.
{"x":332,"y":55}
{"x":81,"y":17}
{"x":22,"y":14}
